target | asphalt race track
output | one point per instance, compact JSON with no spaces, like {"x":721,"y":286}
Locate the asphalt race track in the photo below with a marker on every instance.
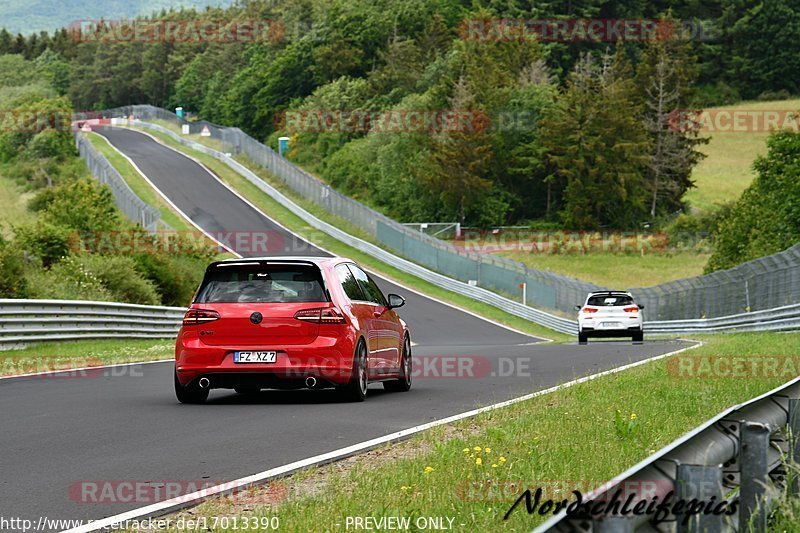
{"x":125,"y":424}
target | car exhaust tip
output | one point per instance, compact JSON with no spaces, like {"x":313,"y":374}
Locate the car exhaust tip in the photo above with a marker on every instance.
{"x":311,"y":382}
{"x":204,"y":383}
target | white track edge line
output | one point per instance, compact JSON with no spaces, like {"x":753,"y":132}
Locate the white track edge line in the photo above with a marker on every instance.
{"x":194,"y":498}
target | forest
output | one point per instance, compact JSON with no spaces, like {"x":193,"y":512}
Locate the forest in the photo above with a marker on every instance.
{"x":519,"y":127}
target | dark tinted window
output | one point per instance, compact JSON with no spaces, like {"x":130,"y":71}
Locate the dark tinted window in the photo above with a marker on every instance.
{"x":369,"y":287}
{"x":605,"y":300}
{"x":349,"y":283}
{"x":260,"y":283}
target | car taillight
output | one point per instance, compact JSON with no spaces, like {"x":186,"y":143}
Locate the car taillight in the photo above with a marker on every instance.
{"x":633,"y":309}
{"x":589,"y":309}
{"x":199,"y":316}
{"x":323,"y":315}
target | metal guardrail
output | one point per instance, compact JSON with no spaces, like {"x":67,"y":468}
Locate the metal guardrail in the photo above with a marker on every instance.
{"x":127,"y":201}
{"x":785,"y":318}
{"x":28,"y":321}
{"x":739,"y":455}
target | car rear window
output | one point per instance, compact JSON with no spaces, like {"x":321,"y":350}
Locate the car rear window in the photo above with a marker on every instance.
{"x":262,"y":283}
{"x":601,"y":300}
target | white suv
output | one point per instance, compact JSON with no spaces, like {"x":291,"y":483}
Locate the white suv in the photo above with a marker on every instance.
{"x":609,"y":314}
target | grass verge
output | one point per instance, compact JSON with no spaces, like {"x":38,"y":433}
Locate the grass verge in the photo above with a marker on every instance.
{"x":473,"y":470}
{"x":14,"y":201}
{"x":285,"y":217}
{"x":618,"y":271}
{"x":49,"y":356}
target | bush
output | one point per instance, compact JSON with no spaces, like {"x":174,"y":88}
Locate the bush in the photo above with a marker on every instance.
{"x":94,"y":277}
{"x":46,"y":241}
{"x":51,"y":144}
{"x":67,"y":280}
{"x":768,"y":96}
{"x":175,"y":277}
{"x":696,"y":232}
{"x":83,"y":205}
{"x":13,"y":283}
{"x":120,"y":277}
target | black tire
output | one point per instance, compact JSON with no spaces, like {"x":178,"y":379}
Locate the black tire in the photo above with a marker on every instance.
{"x":638,"y":337}
{"x":356,"y":389}
{"x":191,"y":393}
{"x":404,"y":383}
{"x":247,"y":390}
{"x":582,"y":338}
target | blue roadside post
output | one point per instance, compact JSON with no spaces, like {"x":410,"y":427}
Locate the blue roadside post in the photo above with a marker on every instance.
{"x":283,"y":144}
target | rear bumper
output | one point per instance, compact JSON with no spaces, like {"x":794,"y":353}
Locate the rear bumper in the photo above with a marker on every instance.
{"x":608,"y":333}
{"x":328,"y":360}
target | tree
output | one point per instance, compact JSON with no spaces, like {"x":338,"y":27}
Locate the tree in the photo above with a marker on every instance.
{"x":598,"y":146}
{"x":55,"y":68}
{"x":765,"y":57}
{"x":664,"y":76}
{"x":460,"y":158}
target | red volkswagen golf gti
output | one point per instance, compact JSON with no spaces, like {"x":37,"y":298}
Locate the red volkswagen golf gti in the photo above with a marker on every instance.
{"x":289,"y":323}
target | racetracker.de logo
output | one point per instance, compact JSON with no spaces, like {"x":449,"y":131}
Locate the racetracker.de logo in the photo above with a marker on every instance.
{"x":583,"y":30}
{"x":177,"y":31}
{"x":733,"y":120}
{"x":144,"y":492}
{"x":733,"y":367}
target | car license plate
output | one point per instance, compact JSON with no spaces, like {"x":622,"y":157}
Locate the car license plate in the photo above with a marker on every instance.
{"x":611,"y":325}
{"x":254,"y":357}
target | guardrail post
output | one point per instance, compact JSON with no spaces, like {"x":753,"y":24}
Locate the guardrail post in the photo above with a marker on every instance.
{"x":753,"y":476}
{"x":612,"y":524}
{"x":703,"y":483}
{"x":794,"y":443}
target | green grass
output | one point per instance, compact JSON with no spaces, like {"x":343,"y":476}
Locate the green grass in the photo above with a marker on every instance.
{"x":138,"y":184}
{"x":14,"y":201}
{"x":49,"y":356}
{"x":617,"y":271}
{"x":563,"y":440}
{"x":727,"y":169}
{"x":299,"y":226}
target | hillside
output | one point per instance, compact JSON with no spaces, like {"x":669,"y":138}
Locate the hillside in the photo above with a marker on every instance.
{"x":26,"y":16}
{"x":728,"y":167}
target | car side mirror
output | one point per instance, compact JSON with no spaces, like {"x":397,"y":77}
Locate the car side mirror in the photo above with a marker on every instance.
{"x":577,"y":307}
{"x":395,"y":300}
{"x":641,"y":306}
